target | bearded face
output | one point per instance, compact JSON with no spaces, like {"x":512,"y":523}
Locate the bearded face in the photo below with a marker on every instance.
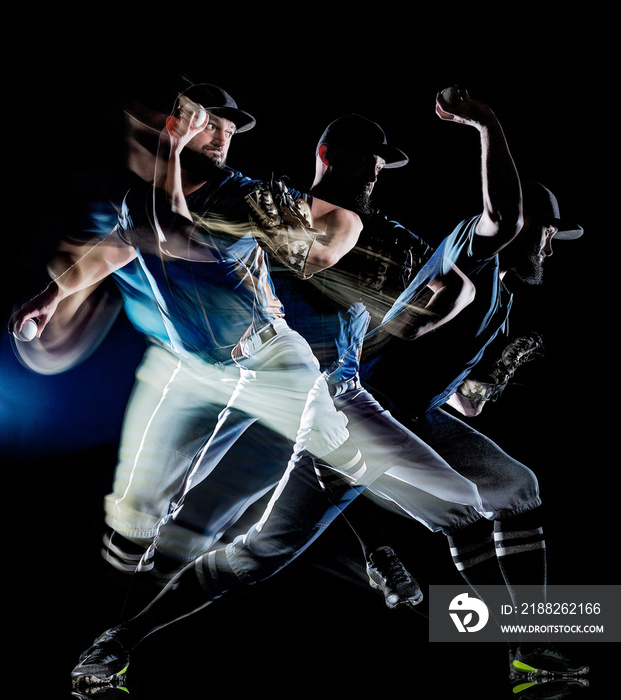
{"x":205,"y":155}
{"x":528,"y":267}
{"x":525,"y":256}
{"x":350,"y":179}
{"x":201,"y":165}
{"x":361,"y":203}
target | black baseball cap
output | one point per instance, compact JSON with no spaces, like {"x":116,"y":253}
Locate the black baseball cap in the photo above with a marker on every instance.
{"x":539,"y":202}
{"x":363,"y":135}
{"x":217,"y":101}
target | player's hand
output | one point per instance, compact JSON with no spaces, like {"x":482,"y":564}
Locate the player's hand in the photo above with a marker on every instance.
{"x":189,"y":120}
{"x":455,"y":104}
{"x":40,"y":309}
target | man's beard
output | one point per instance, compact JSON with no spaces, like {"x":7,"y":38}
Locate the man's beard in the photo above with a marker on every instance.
{"x":362,"y":204}
{"x":198,"y":166}
{"x":344,"y":195}
{"x":528,"y":267}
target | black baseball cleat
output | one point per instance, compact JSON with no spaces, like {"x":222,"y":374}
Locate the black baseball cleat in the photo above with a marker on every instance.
{"x":544,"y":661}
{"x":387,"y":573}
{"x":102,"y":692}
{"x":548,"y":688}
{"x":102,"y":664}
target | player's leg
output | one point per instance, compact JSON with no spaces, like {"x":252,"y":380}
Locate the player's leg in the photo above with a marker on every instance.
{"x":388,"y":446}
{"x":307,"y":500}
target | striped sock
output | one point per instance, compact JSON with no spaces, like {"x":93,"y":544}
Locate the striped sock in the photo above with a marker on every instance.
{"x":521,"y":552}
{"x":121,"y":553}
{"x":474,"y":555}
{"x":521,"y":549}
{"x":345,"y":465}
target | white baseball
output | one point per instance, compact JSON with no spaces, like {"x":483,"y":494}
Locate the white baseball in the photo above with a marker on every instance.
{"x":189,"y":107}
{"x":28,"y":331}
{"x":201,"y":115}
{"x":451,"y":95}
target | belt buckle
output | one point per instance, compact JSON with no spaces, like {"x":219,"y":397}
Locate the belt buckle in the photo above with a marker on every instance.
{"x":258,"y":339}
{"x":266,"y":333}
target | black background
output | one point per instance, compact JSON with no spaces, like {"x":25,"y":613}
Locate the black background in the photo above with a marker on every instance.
{"x":318,"y":627}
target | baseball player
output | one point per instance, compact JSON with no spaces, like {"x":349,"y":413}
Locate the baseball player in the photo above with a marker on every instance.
{"x":202,"y":312}
{"x":468,"y":363}
{"x":509,"y":550}
{"x":248,"y":559}
{"x":302,"y":507}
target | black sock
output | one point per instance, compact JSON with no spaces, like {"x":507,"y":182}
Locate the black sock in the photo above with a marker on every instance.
{"x":521,"y":552}
{"x":521,"y":549}
{"x":192,"y":589}
{"x":474,"y":555}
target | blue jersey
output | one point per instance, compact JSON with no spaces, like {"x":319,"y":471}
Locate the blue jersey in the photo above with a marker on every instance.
{"x":139,"y":304}
{"x":204,"y":308}
{"x":96,"y":214}
{"x":422,"y":374}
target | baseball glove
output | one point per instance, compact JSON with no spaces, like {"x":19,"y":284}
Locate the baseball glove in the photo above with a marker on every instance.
{"x":515,"y":354}
{"x":282,"y":223}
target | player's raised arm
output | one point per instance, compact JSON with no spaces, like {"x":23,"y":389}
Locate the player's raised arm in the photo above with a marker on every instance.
{"x":502,"y":216}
